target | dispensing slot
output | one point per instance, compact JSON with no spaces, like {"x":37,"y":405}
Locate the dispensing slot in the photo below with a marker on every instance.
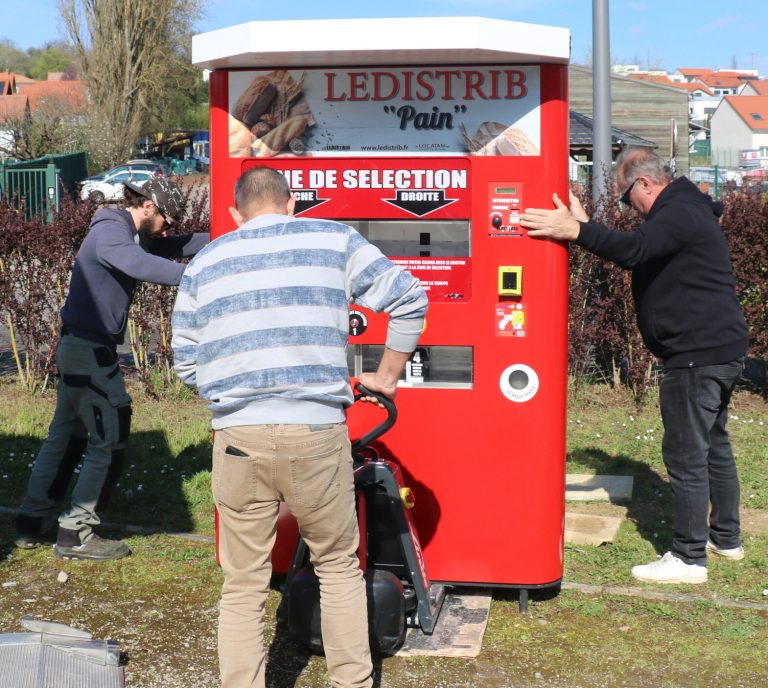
{"x":449,"y":367}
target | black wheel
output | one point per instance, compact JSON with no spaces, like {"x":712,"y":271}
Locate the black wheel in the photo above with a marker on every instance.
{"x":97,"y":197}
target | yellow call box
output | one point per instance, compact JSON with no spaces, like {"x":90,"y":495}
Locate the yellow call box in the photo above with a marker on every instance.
{"x":510,"y":280}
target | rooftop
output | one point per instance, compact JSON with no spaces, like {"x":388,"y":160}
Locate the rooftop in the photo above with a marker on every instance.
{"x":13,"y":108}
{"x":752,"y":109}
{"x":666,"y":81}
{"x":7,"y":83}
{"x":718,"y":81}
{"x":359,"y":42}
{"x":70,"y":92}
{"x":761,"y":86}
{"x":581,"y":135}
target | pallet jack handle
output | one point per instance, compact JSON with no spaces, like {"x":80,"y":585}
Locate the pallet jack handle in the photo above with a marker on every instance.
{"x":380,"y":429}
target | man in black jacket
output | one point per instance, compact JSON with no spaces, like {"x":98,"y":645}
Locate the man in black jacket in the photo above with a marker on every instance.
{"x":93,"y":409}
{"x":689,"y":317}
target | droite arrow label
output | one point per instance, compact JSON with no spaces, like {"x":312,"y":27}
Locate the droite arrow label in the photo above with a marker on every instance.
{"x":306,"y":199}
{"x":420,"y":202}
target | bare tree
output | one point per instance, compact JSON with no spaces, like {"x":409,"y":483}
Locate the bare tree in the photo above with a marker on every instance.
{"x":131,"y":53}
{"x":14,"y":126}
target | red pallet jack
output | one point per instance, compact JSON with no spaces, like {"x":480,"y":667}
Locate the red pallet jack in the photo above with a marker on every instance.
{"x":400,"y":594}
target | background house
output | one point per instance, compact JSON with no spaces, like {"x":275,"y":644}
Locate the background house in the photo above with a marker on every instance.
{"x":755,"y":88}
{"x":7,"y":83}
{"x":728,"y":81}
{"x":721,"y":84}
{"x":50,"y":106}
{"x":740,"y":124}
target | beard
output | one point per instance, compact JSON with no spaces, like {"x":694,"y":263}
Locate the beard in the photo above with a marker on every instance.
{"x":146,"y":236}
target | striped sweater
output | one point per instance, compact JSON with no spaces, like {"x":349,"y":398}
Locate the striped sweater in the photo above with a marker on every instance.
{"x":261,"y":319}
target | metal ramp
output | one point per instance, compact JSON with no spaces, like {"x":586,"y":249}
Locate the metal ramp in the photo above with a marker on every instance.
{"x":53,"y":655}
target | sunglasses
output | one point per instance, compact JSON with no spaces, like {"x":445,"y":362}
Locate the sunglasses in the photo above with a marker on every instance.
{"x":625,"y":196}
{"x":167,"y":223}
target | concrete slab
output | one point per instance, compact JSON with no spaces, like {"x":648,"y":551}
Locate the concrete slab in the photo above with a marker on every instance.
{"x":459,"y":630}
{"x":590,"y":529}
{"x":581,"y":487}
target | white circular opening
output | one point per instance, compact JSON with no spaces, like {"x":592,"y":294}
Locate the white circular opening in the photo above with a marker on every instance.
{"x":519,"y":382}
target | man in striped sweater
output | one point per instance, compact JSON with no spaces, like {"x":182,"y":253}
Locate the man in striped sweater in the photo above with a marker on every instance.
{"x":260,"y":327}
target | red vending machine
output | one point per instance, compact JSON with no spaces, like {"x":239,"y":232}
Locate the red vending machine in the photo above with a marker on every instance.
{"x":430,"y":136}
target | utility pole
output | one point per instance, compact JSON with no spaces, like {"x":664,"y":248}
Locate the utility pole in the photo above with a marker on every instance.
{"x":602,"y":159}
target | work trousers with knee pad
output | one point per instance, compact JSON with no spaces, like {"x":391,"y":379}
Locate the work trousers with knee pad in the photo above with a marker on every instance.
{"x":91,"y":425}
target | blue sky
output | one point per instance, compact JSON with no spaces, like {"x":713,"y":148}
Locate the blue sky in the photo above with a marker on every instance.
{"x":659,"y":33}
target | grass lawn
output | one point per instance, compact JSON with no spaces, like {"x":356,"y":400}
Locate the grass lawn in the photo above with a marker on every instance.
{"x":160,"y":603}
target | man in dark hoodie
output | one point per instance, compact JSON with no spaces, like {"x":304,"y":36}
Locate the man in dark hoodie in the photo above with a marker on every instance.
{"x":93,"y":409}
{"x":689,"y":317}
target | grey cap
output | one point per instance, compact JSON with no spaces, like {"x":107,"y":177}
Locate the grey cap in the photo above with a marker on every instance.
{"x":163,"y":193}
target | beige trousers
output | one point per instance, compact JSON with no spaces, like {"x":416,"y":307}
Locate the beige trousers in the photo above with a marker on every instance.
{"x":309,"y":468}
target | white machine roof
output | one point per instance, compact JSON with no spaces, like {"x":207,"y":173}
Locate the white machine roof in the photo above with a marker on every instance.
{"x":420,"y":40}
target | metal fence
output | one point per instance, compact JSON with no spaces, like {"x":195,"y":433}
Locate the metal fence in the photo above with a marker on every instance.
{"x":36,"y":185}
{"x":35,"y":190}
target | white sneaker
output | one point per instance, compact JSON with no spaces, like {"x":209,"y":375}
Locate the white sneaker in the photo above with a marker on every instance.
{"x":734,"y":553}
{"x":670,"y":569}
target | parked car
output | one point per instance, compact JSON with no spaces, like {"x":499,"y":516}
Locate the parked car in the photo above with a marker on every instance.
{"x":110,"y":187}
{"x":151,"y":165}
{"x":148,"y":165}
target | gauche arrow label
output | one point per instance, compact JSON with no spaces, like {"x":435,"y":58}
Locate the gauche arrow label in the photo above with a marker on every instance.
{"x":306,"y":199}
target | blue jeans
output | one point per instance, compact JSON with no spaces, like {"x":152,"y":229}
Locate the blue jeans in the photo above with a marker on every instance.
{"x":698,"y":457}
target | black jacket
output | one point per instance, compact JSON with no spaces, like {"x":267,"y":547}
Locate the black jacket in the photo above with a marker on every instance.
{"x":682,"y":281}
